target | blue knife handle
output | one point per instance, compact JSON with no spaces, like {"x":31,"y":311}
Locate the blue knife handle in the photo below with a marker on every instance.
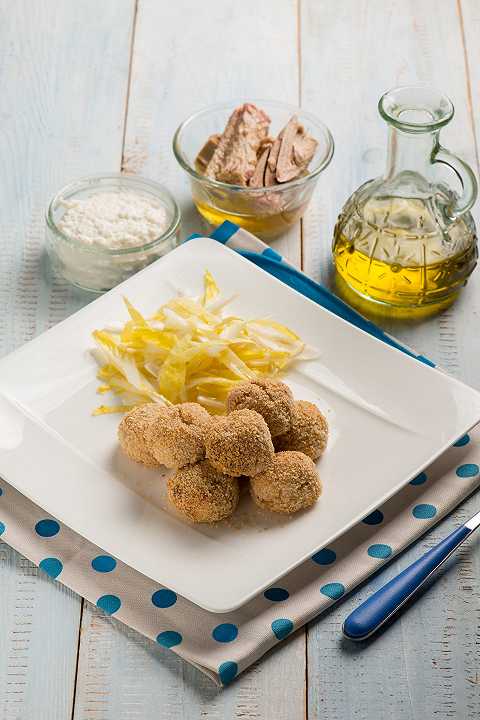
{"x":372,"y":613}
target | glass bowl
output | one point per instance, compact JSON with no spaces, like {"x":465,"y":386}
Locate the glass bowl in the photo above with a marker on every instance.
{"x":264,"y":212}
{"x":95,"y":268}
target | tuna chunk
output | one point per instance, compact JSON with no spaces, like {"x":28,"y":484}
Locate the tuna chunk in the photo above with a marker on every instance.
{"x":266,"y":142}
{"x":205,"y":154}
{"x":297,"y":148}
{"x":244,"y":154}
{"x":235,"y":158}
{"x":270,"y":172}
{"x":258,"y":178}
{"x":304,"y":149}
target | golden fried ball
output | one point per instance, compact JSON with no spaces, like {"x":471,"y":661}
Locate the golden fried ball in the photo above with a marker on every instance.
{"x":271,"y":398}
{"x":289,"y":485}
{"x":176,"y":436}
{"x":309,"y":431}
{"x":132,"y":433}
{"x":239,"y":443}
{"x":202,"y":494}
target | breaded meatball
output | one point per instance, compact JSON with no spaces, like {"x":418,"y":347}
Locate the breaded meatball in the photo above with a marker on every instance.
{"x":132,"y":433}
{"x":309,"y":431}
{"x":203,"y":494}
{"x":239,"y":443}
{"x":176,"y":436}
{"x":193,"y":414}
{"x":289,"y":485}
{"x":271,"y":398}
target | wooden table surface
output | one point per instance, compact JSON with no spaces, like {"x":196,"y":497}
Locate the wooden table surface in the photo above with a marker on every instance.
{"x":91,"y":86}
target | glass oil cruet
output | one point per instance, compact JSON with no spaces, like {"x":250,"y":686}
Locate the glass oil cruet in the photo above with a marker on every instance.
{"x":404,"y":245}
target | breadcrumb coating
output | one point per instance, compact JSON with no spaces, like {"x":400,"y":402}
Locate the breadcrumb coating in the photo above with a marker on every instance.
{"x":271,"y":398}
{"x":309,"y":431}
{"x":289,"y":485}
{"x":239,"y":443}
{"x":132,"y":433}
{"x":176,"y":436}
{"x":202,"y":494}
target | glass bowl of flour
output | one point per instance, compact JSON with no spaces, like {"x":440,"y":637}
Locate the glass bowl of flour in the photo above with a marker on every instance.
{"x":104,"y":228}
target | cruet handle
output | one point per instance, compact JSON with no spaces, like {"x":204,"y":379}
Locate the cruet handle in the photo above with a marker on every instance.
{"x":466,"y":176}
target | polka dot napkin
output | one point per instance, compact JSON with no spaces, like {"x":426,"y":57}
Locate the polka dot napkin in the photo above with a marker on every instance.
{"x":224,"y":645}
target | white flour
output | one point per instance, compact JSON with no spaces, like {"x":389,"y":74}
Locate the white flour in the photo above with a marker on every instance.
{"x":114,"y":220}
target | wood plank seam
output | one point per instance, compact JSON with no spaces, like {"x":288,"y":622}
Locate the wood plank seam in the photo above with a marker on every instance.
{"x":299,"y":62}
{"x":127,"y":99}
{"x":129,"y":83}
{"x":299,"y":72}
{"x":77,"y":662}
{"x":468,"y":80}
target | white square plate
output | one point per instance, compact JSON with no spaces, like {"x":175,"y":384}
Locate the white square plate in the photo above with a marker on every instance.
{"x":389,"y":415}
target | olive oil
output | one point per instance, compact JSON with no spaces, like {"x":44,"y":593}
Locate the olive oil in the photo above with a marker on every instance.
{"x":397,"y":252}
{"x":264,"y":225}
{"x":405,"y":243}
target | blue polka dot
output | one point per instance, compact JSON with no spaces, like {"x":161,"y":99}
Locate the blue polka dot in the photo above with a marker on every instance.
{"x":224,"y":633}
{"x":324,"y":557}
{"x":424,"y":511}
{"x":379,"y":551}
{"x":227,"y":671}
{"x":282,"y":627}
{"x":169,"y":638}
{"x":333,"y":590}
{"x":462,"y":441}
{"x":420,"y":479}
{"x":104,"y":563}
{"x":375,"y":518}
{"x":467,"y":470}
{"x":109,"y":603}
{"x":47,"y":528}
{"x":276,"y":594}
{"x":52,"y":566}
{"x":2,"y":528}
{"x":164,"y":598}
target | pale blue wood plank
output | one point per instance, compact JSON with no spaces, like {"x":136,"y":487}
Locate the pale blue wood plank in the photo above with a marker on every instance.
{"x":122,"y":674}
{"x":63,"y":84}
{"x":180,"y":66}
{"x":426,"y":664}
{"x":39,"y":625}
{"x":186,"y":56}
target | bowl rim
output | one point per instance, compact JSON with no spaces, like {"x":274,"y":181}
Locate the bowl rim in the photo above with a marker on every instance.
{"x":295,"y":109}
{"x":75,"y":186}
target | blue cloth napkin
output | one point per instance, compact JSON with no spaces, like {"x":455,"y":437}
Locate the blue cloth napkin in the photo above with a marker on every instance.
{"x":272,"y":262}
